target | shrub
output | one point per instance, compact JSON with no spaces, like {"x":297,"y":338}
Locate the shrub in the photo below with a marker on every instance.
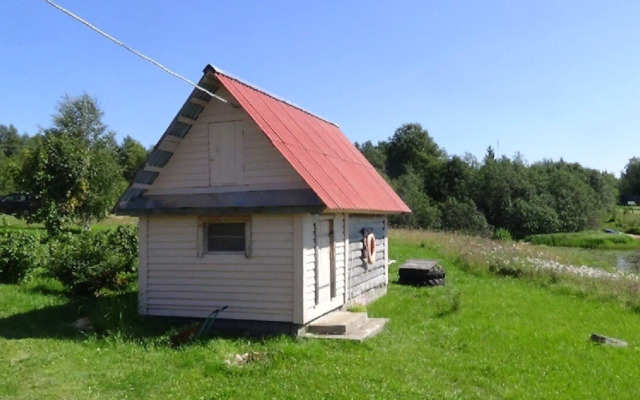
{"x":424,"y":213}
{"x":502,"y":234}
{"x":91,"y":263}
{"x":463,"y":216}
{"x":20,"y":252}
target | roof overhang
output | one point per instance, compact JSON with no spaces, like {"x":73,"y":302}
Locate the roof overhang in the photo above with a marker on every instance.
{"x":254,"y":202}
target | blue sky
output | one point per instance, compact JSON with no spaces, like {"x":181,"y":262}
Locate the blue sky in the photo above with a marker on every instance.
{"x":549,"y":79}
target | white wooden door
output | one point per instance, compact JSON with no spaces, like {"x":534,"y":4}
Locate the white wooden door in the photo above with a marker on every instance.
{"x":225,"y":153}
{"x":325,"y":265}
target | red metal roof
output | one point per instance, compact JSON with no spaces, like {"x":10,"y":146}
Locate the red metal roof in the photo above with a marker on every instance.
{"x":319,"y":152}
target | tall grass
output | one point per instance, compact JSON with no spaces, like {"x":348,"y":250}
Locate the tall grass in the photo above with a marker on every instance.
{"x":586,"y":240}
{"x":530,"y":262}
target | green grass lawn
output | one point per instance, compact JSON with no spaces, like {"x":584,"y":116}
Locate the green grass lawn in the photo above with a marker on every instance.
{"x":479,"y":337}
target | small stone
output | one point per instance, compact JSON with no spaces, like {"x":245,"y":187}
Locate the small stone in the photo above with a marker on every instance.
{"x":83,"y":324}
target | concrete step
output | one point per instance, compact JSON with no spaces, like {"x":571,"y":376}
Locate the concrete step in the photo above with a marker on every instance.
{"x":337,"y":323}
{"x":370,"y":328}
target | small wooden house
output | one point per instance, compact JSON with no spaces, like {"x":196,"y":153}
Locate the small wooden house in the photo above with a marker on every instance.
{"x":250,"y":202}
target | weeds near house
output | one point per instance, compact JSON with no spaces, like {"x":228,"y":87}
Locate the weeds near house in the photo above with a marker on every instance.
{"x":358,"y":308}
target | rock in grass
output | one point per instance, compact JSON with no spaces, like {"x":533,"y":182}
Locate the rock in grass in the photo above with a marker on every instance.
{"x":241,"y":359}
{"x":83,"y":325}
{"x":595,"y":337}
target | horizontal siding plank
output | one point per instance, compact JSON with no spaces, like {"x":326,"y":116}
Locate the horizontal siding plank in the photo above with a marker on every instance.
{"x":212,"y":260}
{"x":263,"y":249}
{"x":262,"y":154}
{"x":281,"y":172}
{"x":158,"y":225}
{"x":202,"y":312}
{"x":156,"y":245}
{"x":192,"y":277}
{"x":255,"y":290}
{"x":213,"y":281}
{"x":268,"y":302}
{"x":185,"y":269}
{"x":273,"y":229}
{"x":186,"y":234}
{"x":276,"y":237}
{"x":281,"y":307}
{"x":273,"y":244}
{"x":187,"y":168}
{"x":172,"y":220}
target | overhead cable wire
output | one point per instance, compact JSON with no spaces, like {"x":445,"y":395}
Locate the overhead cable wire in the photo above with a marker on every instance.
{"x":118,"y":42}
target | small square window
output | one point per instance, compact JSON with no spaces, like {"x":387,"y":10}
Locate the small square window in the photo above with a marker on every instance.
{"x":226,"y":236}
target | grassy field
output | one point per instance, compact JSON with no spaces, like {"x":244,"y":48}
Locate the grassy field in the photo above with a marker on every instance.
{"x":481,"y":336}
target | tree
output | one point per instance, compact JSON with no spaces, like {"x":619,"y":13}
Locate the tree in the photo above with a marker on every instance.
{"x":493,"y":189}
{"x":424,"y":214}
{"x":132,"y":155}
{"x":6,"y":182}
{"x":11,"y":146}
{"x":452,"y":177}
{"x":463,"y":216}
{"x":630,"y":178}
{"x":567,"y":189}
{"x":73,"y":167}
{"x":11,"y":142}
{"x":375,"y":154}
{"x":411,"y":146}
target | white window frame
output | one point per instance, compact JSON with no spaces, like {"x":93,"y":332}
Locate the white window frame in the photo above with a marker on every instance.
{"x":204,"y":222}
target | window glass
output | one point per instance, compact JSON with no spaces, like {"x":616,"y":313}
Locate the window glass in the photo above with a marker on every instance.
{"x":226,"y":236}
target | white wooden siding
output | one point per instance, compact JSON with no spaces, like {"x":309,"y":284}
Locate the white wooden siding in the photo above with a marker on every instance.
{"x":142,"y":265}
{"x":189,"y":165}
{"x":179,"y":283}
{"x":261,"y":166}
{"x":364,"y":277}
{"x":309,"y":265}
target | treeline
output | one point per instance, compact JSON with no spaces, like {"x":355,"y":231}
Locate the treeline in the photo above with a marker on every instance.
{"x":75,"y":167}
{"x":498,"y":194}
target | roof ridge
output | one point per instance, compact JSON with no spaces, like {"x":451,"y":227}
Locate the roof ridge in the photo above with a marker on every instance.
{"x":217,"y":70}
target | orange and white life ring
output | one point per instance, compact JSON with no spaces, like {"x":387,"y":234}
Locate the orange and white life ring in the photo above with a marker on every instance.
{"x":370,"y":246}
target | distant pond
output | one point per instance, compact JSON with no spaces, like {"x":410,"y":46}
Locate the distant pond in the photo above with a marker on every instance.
{"x":629,"y":261}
